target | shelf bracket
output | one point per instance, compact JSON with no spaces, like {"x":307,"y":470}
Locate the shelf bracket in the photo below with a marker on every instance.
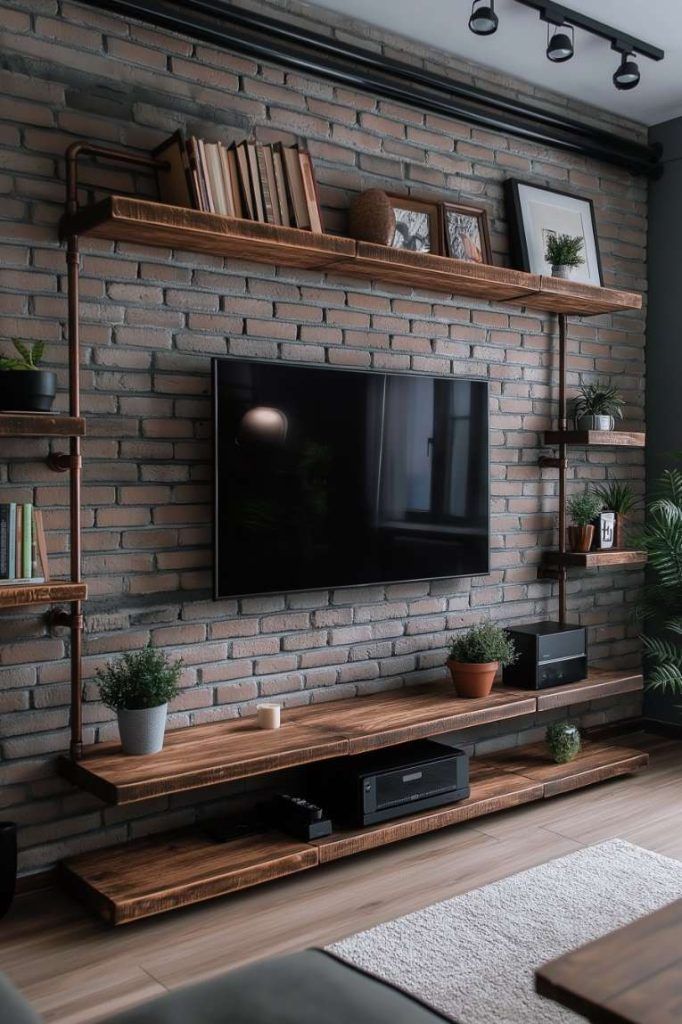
{"x":547,"y":572}
{"x":552,"y":462}
{"x":60,"y":462}
{"x":59,"y":617}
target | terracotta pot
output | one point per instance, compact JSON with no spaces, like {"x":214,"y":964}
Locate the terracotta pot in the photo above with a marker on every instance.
{"x":473,"y":680}
{"x":619,"y":532}
{"x":580,"y":537}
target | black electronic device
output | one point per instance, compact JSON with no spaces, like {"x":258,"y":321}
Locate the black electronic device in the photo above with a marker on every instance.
{"x":297,"y":817}
{"x":328,"y":477}
{"x":370,"y":788}
{"x":549,"y":655}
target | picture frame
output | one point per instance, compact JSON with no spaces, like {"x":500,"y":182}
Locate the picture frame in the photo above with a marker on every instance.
{"x":418,"y":225}
{"x":534,"y":211}
{"x":466,"y":233}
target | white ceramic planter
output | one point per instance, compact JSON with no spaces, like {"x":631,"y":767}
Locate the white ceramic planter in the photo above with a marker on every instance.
{"x":562,"y":271}
{"x":142,"y":730}
{"x":595,"y":423}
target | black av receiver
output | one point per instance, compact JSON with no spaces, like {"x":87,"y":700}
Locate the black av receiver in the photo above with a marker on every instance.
{"x":549,"y":655}
{"x":368,"y":788}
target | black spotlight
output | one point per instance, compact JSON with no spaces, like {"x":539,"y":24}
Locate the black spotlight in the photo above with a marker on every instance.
{"x":626,"y":76}
{"x":483,"y":20}
{"x":560,"y":46}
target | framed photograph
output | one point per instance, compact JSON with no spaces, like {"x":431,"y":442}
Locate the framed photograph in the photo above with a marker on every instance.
{"x":536,"y":213}
{"x":417,"y":225}
{"x":467,"y":236}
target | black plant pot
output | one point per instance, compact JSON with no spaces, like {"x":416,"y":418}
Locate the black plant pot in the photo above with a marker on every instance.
{"x":27,"y":390}
{"x":8,"y":864}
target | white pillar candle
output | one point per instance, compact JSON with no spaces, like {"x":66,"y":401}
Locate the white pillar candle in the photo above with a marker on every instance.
{"x":268,"y":716}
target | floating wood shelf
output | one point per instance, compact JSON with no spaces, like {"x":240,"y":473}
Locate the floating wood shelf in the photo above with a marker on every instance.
{"x":33,"y":424}
{"x":160,"y":873}
{"x":596,"y":438}
{"x":205,"y":755}
{"x":14,"y":595}
{"x":120,"y":218}
{"x":593,"y":559}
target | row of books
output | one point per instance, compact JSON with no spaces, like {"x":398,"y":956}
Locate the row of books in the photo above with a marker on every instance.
{"x":273,"y":184}
{"x":23,"y":551}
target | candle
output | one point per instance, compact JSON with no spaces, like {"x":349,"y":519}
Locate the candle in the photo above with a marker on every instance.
{"x":268,"y":716}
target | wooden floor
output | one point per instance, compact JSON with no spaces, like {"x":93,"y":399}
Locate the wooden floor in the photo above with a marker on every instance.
{"x":74,"y":969}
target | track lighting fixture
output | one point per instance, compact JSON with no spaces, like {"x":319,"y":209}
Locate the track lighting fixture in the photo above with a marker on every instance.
{"x":483,"y":20}
{"x":626,"y":75}
{"x":560,"y":46}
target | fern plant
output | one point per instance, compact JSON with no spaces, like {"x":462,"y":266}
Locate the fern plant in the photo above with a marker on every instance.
{"x":564,"y":251}
{"x":661,"y":605}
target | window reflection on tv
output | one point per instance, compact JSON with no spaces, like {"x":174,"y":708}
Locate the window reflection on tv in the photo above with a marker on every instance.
{"x":329,"y":478}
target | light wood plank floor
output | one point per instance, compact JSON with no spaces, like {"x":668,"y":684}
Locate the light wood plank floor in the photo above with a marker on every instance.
{"x":75,"y":970}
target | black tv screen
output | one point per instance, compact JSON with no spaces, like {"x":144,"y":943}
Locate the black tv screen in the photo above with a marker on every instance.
{"x":331,"y":478}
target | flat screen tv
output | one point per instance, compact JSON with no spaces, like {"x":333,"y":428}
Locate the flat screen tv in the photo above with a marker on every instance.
{"x":331,"y":478}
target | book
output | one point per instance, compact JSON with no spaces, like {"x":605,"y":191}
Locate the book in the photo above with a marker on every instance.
{"x":254,"y":176}
{"x":175,"y":183}
{"x":245,"y":180}
{"x":42,"y":567}
{"x":268,"y":198}
{"x":272,"y":183}
{"x":4,"y":542}
{"x":294,"y":179}
{"x":26,"y":540}
{"x":215,"y":177}
{"x":311,"y":193}
{"x":227,"y":184}
{"x":203,"y":173}
{"x":280,"y":181}
{"x":193,"y":155}
{"x":234,"y":183}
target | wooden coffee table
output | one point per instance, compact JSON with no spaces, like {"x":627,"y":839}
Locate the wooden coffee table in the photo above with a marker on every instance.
{"x":632,"y":976}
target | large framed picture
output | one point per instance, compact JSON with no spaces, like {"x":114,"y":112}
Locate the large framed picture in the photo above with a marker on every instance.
{"x":417,"y":225}
{"x":467,"y":236}
{"x":536,"y":213}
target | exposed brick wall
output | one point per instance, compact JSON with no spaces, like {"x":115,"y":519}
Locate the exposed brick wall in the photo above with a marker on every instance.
{"x":151,"y":320}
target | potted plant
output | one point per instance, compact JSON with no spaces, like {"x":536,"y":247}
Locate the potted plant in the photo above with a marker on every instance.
{"x":563,"y":740}
{"x":619,"y":498}
{"x":598,"y":406}
{"x":24,"y":387}
{"x":138,"y":687}
{"x":582,"y":509}
{"x":475,"y":656}
{"x":564,"y":252}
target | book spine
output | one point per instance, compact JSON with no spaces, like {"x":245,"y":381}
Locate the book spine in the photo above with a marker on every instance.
{"x":311,"y":196}
{"x":26,"y":540}
{"x":4,"y":542}
{"x":12,"y":541}
{"x":265,"y":185}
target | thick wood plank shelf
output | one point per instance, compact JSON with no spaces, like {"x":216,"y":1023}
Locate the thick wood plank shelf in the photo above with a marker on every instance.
{"x":594,"y":559}
{"x":120,"y":218}
{"x":15,"y":595}
{"x":34,"y":424}
{"x":205,"y":755}
{"x":596,"y":438}
{"x":159,"y":873}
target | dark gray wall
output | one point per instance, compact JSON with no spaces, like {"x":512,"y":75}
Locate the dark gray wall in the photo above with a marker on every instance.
{"x":664,"y":334}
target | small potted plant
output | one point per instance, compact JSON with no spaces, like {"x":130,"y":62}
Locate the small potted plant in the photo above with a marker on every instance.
{"x":24,"y":387}
{"x":138,"y":687}
{"x":598,"y":406}
{"x":475,"y":656}
{"x":563,"y":253}
{"x":619,"y":498}
{"x":582,"y":509}
{"x":563,"y":740}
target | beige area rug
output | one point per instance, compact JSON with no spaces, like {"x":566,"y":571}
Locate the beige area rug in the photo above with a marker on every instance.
{"x":473,"y":957}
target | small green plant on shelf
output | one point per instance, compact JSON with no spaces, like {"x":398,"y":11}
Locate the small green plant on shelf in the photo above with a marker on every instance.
{"x":28,"y":356}
{"x":24,"y":386}
{"x":563,"y":740}
{"x":597,"y":406}
{"x":583,"y":508}
{"x":661,"y":604}
{"x":565,"y":251}
{"x":138,"y":687}
{"x":475,"y":656}
{"x":619,"y":498}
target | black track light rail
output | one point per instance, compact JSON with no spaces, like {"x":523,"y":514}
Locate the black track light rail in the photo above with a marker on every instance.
{"x":241,"y":31}
{"x":557,"y":14}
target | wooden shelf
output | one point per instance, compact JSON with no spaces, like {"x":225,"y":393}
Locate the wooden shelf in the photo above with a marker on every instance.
{"x":159,"y":873}
{"x":204,"y":755}
{"x":35,"y":424}
{"x":120,"y":218}
{"x":593,"y":559}
{"x":596,"y":438}
{"x":16,"y":595}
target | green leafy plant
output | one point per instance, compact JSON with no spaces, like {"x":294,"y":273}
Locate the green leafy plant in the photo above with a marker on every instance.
{"x":27,"y":359}
{"x":582,"y":508}
{"x":661,"y":604}
{"x":599,"y":399}
{"x":139,"y":679}
{"x":564,"y":251}
{"x":563,"y":740}
{"x":617,"y":497}
{"x":482,"y":644}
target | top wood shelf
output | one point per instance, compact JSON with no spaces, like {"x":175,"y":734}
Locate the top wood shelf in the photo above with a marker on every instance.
{"x":204,"y":755}
{"x":36,"y":424}
{"x":123,"y":219}
{"x":596,"y":438}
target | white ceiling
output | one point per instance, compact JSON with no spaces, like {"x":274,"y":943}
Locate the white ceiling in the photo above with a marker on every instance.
{"x":518,"y":46}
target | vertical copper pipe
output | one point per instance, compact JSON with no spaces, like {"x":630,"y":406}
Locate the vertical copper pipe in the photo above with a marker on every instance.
{"x":563,"y":464}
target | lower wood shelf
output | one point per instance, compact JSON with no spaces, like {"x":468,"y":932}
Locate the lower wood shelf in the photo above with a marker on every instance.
{"x":14,"y":595}
{"x":160,"y":873}
{"x":593,"y":559}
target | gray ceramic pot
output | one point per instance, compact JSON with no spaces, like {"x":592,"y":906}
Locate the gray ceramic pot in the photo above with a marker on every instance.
{"x":142,"y":730}
{"x":595,"y":423}
{"x":562,"y":271}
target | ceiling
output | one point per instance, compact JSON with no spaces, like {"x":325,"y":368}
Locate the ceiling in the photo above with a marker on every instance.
{"x":518,"y":46}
